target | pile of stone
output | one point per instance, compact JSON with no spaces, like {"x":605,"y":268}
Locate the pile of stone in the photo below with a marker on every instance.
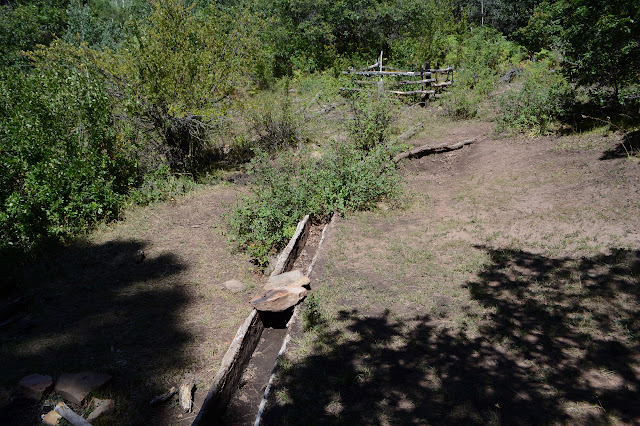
{"x":73,"y":388}
{"x":282,"y":292}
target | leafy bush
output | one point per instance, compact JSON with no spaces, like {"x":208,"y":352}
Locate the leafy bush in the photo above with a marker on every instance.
{"x":372,"y":118}
{"x":312,"y":315}
{"x":274,"y":124}
{"x":543,"y":98}
{"x":63,"y":167}
{"x":159,"y":185}
{"x":344,"y":179}
{"x":481,"y":58}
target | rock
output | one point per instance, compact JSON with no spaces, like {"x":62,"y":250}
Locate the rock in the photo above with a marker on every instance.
{"x":75,"y":387}
{"x":186,"y":396}
{"x":234,"y":286}
{"x":102,"y":406}
{"x":34,"y":386}
{"x":292,"y":278}
{"x":279,"y":299}
{"x":51,"y":418}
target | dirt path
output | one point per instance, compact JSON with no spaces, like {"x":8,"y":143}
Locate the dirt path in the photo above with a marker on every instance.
{"x":505,"y":290}
{"x":148,"y":324}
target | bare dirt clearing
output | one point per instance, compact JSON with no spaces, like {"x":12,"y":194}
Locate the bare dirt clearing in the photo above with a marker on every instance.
{"x":147,"y":324}
{"x":506,"y":290}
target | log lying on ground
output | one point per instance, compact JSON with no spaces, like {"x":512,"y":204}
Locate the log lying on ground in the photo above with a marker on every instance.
{"x":432,"y":149}
{"x":411,"y":132}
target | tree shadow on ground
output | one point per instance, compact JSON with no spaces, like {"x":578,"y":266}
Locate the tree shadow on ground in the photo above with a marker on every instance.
{"x":97,"y":307}
{"x":557,"y":343}
{"x":629,"y":145}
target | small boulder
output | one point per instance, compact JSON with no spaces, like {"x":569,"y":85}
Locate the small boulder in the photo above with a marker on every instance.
{"x":185,"y":395}
{"x":292,"y":278}
{"x":234,"y":286}
{"x":101,"y":407}
{"x":279,"y":299}
{"x":51,"y":418}
{"x":34,"y":386}
{"x":75,"y":387}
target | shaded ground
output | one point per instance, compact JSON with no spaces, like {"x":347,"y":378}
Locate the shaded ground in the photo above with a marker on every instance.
{"x":504,"y":291}
{"x":148,"y":324}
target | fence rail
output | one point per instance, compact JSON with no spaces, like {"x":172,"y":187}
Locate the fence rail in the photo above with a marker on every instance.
{"x":432,"y":80}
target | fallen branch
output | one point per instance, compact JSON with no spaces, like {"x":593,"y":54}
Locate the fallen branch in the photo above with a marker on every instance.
{"x":431,"y":149}
{"x":164,"y":396}
{"x":411,"y":132}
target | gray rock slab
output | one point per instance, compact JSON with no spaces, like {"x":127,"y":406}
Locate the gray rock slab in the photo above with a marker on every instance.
{"x":34,"y":386}
{"x":292,"y":278}
{"x":74,"y":387}
{"x":279,"y":299}
{"x":101,"y":407}
{"x":234,"y":286}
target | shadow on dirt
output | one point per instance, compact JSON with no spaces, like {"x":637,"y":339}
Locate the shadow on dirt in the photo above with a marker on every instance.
{"x":101,"y":308}
{"x":630,"y":145}
{"x":557,"y":343}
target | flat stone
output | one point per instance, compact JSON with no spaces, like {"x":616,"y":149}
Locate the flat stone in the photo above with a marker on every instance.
{"x":292,"y":278}
{"x":75,"y":387}
{"x":101,"y":407}
{"x":51,"y":418}
{"x":34,"y":386}
{"x":279,"y":299}
{"x":234,"y":285}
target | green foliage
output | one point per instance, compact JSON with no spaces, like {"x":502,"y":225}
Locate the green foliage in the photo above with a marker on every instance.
{"x":63,"y":166}
{"x":178,"y":72}
{"x":102,"y":23}
{"x":312,"y":315}
{"x":543,"y":98}
{"x":481,"y":58}
{"x":274,"y":123}
{"x":461,"y":103}
{"x":159,"y":185}
{"x":25,"y":24}
{"x":344,"y":179}
{"x":372,"y":118}
{"x":600,"y":41}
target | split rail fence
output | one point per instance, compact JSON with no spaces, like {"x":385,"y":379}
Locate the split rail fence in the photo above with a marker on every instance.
{"x":428,"y":83}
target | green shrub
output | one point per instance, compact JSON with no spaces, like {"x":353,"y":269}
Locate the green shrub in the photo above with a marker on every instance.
{"x":160,"y":184}
{"x":460,"y":103}
{"x":273,"y":123}
{"x":533,"y":109}
{"x":291,"y":186}
{"x":312,"y":315}
{"x":372,"y":119}
{"x":63,"y":168}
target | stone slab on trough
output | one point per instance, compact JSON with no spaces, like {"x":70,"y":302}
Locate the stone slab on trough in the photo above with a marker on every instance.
{"x":279,"y":299}
{"x":34,"y":386}
{"x":295,"y":277}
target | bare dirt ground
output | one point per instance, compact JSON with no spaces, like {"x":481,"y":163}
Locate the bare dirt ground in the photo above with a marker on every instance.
{"x":148,"y":324}
{"x":505,"y":289}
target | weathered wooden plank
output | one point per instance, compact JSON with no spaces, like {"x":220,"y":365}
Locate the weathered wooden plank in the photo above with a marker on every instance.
{"x":442,"y":70}
{"x":442,"y":84}
{"x":412,"y":92}
{"x":383,"y":73}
